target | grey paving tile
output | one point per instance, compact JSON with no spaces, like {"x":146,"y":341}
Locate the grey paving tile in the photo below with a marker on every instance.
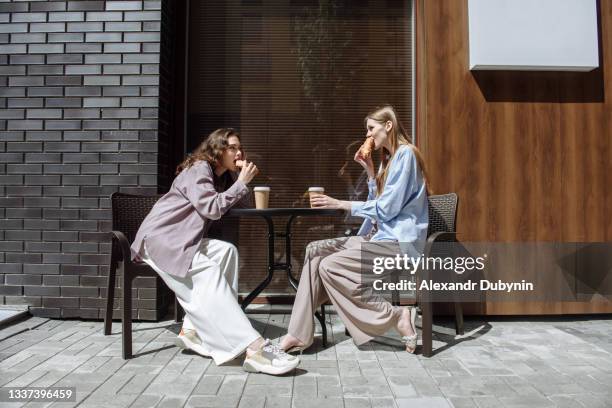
{"x":172,"y":401}
{"x":137,"y":384}
{"x":212,"y":401}
{"x":563,"y":401}
{"x":208,"y":385}
{"x":114,"y":401}
{"x":367,"y":390}
{"x":328,"y":386}
{"x":278,"y":402}
{"x":26,"y":378}
{"x":48,"y":379}
{"x":357,"y":380}
{"x":304,"y":386}
{"x":233,"y":367}
{"x":357,"y":403}
{"x":252,"y":401}
{"x":146,"y":401}
{"x":477,"y":386}
{"x":319,"y":367}
{"x":266,"y":390}
{"x":526,"y":401}
{"x":593,"y":400}
{"x":233,"y":386}
{"x":487,"y":402}
{"x":560,"y":363}
{"x":462,"y":402}
{"x":334,"y":402}
{"x":425,"y":402}
{"x":172,"y":385}
{"x":402,"y":387}
{"x":384,"y":402}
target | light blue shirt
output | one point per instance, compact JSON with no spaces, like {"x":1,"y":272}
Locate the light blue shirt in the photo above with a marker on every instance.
{"x":401,"y":211}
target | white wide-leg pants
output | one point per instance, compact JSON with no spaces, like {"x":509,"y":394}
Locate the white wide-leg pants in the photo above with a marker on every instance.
{"x":209,"y":296}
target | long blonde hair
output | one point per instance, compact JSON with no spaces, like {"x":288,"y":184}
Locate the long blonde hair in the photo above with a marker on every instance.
{"x":397,"y":137}
{"x":210,"y":150}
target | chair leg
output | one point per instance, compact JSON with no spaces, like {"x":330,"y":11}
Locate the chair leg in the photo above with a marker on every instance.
{"x":427,"y":329}
{"x":323,"y":326}
{"x":424,"y":300}
{"x":459,"y":318}
{"x":395,"y":295}
{"x":395,"y":298}
{"x":458,"y":307}
{"x":178,"y":311}
{"x":110,"y":297}
{"x":126,"y":313}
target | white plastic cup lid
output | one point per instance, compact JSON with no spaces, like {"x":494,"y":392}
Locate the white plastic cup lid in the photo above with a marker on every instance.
{"x":261,"y":188}
{"x":316,"y":189}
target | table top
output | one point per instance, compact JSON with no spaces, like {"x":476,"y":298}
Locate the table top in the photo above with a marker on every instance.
{"x":272,"y":212}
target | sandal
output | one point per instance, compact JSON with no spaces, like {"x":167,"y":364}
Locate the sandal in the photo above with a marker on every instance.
{"x":298,"y":349}
{"x":411,"y":341}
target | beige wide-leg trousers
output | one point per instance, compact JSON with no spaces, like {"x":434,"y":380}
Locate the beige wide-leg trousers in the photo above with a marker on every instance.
{"x":209,"y":296}
{"x":332,"y":271}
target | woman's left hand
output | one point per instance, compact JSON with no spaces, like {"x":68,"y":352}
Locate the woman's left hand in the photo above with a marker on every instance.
{"x":323,"y":201}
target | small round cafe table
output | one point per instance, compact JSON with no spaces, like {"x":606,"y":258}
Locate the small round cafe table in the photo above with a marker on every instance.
{"x":268,"y":215}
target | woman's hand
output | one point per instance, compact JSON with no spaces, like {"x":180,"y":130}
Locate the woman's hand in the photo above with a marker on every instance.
{"x":248,"y":172}
{"x":323,"y":201}
{"x":368,"y":164}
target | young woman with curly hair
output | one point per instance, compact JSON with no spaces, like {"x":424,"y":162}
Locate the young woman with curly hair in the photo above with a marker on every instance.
{"x":203,"y":272}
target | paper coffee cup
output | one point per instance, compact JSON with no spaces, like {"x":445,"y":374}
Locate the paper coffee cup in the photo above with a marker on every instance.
{"x":262,"y":197}
{"x":315,"y":191}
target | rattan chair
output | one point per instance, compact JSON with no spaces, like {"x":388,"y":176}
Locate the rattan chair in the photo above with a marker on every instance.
{"x":128,"y":213}
{"x":442,"y":220}
{"x":442,"y":228}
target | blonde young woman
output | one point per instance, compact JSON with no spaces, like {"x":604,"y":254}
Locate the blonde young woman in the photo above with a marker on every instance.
{"x":203,"y":272}
{"x":396,"y":215}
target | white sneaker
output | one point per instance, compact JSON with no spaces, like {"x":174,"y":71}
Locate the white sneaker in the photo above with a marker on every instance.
{"x":189,"y":340}
{"x":270,"y":359}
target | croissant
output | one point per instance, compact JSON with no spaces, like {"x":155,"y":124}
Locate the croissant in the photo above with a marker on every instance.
{"x":241,"y":163}
{"x":366,"y":148}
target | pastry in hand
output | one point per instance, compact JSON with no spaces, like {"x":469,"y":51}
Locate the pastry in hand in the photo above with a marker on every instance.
{"x":366,"y":148}
{"x":242,"y":163}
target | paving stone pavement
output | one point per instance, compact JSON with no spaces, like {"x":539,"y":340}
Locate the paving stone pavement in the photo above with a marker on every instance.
{"x":553,"y":362}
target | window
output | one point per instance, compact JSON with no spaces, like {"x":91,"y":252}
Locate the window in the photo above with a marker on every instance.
{"x":297,"y":79}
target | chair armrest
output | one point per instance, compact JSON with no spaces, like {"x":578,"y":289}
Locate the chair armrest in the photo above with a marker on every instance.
{"x":439,"y":237}
{"x":124,"y":245}
{"x":442,"y":235}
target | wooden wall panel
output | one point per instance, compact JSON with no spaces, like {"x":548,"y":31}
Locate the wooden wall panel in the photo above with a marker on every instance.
{"x":529,"y":153}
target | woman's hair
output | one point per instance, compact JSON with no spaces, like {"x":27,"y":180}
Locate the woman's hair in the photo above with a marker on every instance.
{"x":397,"y":137}
{"x":211,"y":149}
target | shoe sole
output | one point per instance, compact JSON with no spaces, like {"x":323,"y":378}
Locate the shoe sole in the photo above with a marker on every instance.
{"x":185,"y":344}
{"x":298,"y":349}
{"x":254,"y":367}
{"x":178,"y":342}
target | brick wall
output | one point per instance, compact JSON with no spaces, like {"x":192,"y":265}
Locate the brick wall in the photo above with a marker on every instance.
{"x":79,"y":119}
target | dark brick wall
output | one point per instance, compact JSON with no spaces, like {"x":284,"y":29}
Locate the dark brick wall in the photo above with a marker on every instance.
{"x":79,"y":119}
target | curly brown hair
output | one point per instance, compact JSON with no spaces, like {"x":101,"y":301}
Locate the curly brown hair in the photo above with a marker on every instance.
{"x":211,"y":149}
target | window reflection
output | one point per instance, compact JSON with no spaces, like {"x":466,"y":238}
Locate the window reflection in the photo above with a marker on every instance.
{"x":297,"y":77}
